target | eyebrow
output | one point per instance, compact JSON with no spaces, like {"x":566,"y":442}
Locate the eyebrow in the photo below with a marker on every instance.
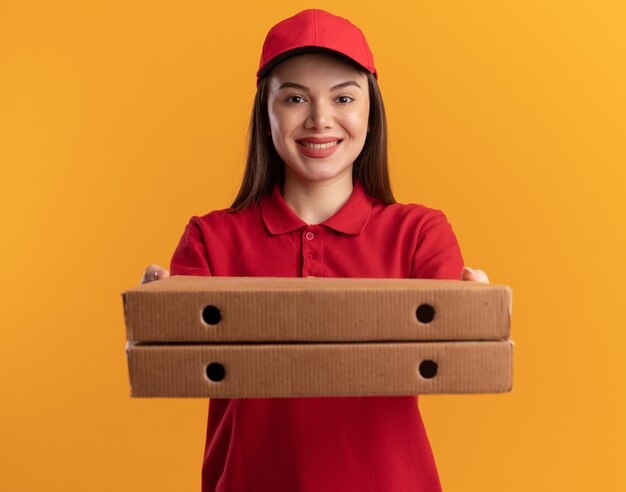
{"x":293,"y":85}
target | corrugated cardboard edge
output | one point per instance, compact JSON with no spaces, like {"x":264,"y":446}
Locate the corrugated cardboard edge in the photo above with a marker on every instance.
{"x":314,"y":370}
{"x":172,"y":312}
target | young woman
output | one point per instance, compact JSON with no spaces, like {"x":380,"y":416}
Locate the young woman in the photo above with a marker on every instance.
{"x":316,"y":201}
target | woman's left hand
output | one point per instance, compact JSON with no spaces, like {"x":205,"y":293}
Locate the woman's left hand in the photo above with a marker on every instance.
{"x":474,"y":275}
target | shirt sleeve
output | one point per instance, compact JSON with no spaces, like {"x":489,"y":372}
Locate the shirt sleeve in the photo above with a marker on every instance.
{"x":190,"y":256}
{"x":437,"y":254}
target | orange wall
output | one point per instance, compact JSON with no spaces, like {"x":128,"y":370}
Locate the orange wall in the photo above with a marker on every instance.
{"x":120,"y":120}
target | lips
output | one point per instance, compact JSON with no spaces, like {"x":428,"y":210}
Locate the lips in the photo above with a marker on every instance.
{"x":318,"y":147}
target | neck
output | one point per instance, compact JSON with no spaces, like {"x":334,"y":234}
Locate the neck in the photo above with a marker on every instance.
{"x":314,"y":202}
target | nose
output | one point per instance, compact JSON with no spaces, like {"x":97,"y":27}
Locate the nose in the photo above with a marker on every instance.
{"x":320,"y":116}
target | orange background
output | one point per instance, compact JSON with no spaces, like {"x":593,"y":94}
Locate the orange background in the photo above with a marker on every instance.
{"x":120,"y":120}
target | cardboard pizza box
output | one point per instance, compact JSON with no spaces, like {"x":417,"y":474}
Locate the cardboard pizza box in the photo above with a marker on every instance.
{"x":251,"y":337}
{"x":252,"y":309}
{"x":330,"y":369}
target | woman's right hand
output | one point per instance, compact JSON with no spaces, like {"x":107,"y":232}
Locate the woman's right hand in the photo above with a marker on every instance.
{"x":154,"y":272}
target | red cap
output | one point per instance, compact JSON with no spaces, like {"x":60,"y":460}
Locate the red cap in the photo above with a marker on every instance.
{"x":314,"y":31}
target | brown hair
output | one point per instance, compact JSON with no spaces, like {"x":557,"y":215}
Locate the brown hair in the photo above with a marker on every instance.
{"x":264,"y":167}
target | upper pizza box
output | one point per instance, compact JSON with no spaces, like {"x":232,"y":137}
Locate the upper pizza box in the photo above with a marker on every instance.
{"x":271,"y":309}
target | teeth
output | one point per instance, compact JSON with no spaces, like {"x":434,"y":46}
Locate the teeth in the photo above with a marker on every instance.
{"x":320,"y":146}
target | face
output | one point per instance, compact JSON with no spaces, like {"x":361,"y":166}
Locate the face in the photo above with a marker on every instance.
{"x":318,"y":108}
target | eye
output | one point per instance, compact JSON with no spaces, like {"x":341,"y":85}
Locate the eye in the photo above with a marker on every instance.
{"x":294,"y":98}
{"x":344,"y":99}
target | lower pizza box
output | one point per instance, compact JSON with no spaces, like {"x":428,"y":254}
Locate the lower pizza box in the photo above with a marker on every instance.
{"x":316,"y":370}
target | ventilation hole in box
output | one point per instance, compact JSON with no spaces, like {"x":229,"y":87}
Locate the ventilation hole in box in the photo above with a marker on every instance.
{"x":215,"y":372}
{"x":428,"y":369}
{"x":425,"y":313}
{"x":211,"y":315}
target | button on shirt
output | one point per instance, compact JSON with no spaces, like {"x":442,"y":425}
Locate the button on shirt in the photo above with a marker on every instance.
{"x":315,"y":444}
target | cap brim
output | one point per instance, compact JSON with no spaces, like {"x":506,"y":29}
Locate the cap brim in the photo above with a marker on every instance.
{"x":270,"y":65}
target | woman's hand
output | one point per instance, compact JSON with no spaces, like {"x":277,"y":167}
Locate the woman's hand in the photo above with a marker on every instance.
{"x":154,"y":272}
{"x":474,"y":275}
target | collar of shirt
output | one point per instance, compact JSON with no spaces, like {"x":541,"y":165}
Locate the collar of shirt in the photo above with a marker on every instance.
{"x":349,"y":219}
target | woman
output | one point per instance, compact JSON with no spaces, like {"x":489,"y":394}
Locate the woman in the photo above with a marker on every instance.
{"x":316,"y":201}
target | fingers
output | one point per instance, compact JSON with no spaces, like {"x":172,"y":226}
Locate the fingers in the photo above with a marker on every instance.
{"x":474,"y":275}
{"x":154,"y":272}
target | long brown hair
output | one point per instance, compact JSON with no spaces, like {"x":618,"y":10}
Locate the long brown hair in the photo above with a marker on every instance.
{"x":264,"y":167}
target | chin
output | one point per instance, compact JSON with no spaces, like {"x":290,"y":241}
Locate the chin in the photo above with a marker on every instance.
{"x":325,"y":174}
{"x":318,"y":178}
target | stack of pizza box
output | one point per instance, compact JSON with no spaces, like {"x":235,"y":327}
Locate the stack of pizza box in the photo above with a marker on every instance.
{"x":261,"y":337}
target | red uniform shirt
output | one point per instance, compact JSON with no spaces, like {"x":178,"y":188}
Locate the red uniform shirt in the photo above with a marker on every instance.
{"x":319,"y":444}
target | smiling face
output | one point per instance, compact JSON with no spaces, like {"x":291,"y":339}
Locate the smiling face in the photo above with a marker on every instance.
{"x":318,"y":107}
